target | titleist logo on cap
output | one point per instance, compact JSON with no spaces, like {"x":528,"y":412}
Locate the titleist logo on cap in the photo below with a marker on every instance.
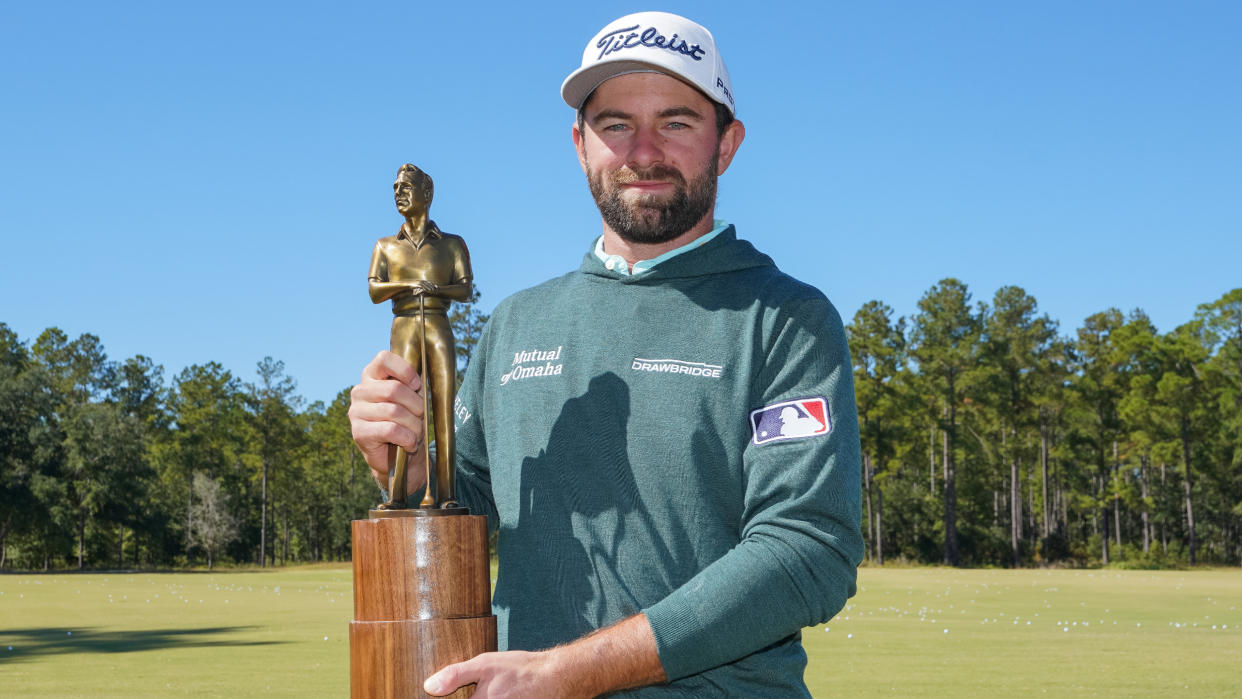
{"x":650,"y":37}
{"x":656,"y":42}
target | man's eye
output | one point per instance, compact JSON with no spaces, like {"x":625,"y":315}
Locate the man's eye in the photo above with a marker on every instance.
{"x":677,"y":125}
{"x":615,"y":128}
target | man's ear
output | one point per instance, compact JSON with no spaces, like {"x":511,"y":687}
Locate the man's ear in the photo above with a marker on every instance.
{"x":730,"y":141}
{"x":579,"y":146}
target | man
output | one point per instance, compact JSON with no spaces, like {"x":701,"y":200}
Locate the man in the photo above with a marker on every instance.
{"x":610,"y":422}
{"x":422,"y":269}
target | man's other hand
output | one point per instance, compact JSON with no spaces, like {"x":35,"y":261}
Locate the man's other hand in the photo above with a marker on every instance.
{"x":620,"y":656}
{"x":507,"y":674}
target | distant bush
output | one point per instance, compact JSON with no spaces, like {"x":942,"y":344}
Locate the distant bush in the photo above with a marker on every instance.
{"x":1054,"y":548}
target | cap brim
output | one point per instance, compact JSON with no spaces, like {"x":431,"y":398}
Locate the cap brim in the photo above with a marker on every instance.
{"x":582,"y":82}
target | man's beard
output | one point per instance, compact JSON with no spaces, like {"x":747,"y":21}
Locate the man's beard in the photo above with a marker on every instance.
{"x":651,"y":219}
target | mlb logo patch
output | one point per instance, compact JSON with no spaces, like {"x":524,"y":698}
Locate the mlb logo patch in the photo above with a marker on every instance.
{"x":793,"y":419}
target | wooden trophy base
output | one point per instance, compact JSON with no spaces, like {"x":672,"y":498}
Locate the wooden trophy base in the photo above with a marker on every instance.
{"x":422,"y":600}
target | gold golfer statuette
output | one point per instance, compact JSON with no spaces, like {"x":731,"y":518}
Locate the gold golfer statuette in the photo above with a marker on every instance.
{"x":422,"y":270}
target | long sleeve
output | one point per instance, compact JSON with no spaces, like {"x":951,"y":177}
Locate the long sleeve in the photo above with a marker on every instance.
{"x":800,"y":538}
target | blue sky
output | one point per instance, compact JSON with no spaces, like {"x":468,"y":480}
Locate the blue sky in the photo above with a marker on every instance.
{"x":199,"y":182}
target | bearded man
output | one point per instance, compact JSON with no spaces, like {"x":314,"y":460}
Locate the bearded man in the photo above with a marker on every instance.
{"x":658,"y":532}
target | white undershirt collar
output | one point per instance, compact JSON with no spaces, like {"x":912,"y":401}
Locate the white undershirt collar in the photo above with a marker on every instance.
{"x":617,"y":264}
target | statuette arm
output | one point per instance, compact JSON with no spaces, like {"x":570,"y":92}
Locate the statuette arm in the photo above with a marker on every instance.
{"x":457,"y":291}
{"x":384,"y":290}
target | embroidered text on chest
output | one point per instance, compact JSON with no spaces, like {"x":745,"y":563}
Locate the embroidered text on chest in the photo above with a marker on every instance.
{"x":532,"y":363}
{"x":677,"y":366}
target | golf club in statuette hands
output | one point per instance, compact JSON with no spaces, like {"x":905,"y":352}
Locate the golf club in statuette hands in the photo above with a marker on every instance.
{"x":422,"y":585}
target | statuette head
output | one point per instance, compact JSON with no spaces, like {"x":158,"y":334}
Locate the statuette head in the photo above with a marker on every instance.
{"x":413,"y":190}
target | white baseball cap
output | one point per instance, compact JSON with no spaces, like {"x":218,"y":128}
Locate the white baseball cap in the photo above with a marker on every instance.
{"x":651,"y":42}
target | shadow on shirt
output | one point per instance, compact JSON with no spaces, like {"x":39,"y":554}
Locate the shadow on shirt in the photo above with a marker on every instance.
{"x":577,"y":495}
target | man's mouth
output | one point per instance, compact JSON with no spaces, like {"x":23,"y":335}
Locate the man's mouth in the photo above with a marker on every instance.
{"x":648,"y":185}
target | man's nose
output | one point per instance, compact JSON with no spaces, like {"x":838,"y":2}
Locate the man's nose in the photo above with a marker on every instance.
{"x":646,"y":148}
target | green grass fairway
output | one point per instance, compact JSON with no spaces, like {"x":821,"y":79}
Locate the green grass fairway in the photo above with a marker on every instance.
{"x":1106,"y":633}
{"x":279,"y":633}
{"x":1000,"y":633}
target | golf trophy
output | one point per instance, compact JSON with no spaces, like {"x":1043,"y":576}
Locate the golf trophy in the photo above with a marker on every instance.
{"x":422,"y":582}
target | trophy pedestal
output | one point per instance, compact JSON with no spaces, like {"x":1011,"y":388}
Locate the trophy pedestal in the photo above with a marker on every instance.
{"x":422,"y":599}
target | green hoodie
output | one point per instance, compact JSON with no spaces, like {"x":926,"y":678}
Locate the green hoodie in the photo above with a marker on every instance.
{"x":682,"y":443}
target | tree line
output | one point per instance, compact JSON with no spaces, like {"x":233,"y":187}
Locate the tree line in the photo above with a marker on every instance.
{"x":988,"y":438}
{"x":105,"y":464}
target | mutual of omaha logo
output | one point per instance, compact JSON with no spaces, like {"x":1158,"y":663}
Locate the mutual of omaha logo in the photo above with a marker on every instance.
{"x":534,"y":363}
{"x":793,"y":419}
{"x":677,"y":366}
